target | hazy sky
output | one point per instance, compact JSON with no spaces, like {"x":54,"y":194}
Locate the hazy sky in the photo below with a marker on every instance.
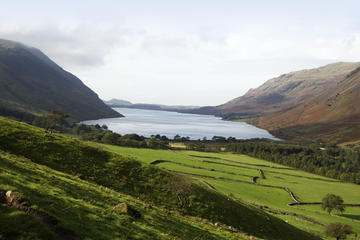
{"x":198,"y":52}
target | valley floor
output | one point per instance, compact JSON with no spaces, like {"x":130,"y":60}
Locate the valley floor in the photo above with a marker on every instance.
{"x":57,"y":187}
{"x":277,"y":189}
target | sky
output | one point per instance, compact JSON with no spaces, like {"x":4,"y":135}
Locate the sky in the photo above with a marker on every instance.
{"x":184,"y":52}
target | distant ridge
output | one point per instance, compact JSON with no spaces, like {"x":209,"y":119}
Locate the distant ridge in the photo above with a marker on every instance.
{"x":31,"y":84}
{"x":126,"y":104}
{"x":117,"y":102}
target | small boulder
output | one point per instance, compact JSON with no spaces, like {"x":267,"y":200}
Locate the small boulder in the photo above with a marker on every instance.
{"x":121,"y":208}
{"x":124,"y":208}
{"x":12,"y":197}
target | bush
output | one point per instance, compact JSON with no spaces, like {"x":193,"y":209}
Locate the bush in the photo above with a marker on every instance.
{"x":338,"y":230}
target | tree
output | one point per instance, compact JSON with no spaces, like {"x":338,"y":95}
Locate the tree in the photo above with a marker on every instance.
{"x":55,"y":117}
{"x":110,"y":138}
{"x":157,"y":144}
{"x":332,"y":202}
{"x":177,"y":138}
{"x":338,"y":230}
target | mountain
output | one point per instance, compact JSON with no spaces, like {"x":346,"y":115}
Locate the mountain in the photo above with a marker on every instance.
{"x":160,"y":107}
{"x":117,"y":102}
{"x":334,"y":114}
{"x":32,"y":84}
{"x":283,"y":92}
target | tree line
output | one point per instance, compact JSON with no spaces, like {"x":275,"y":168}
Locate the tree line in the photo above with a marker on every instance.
{"x":56,"y":121}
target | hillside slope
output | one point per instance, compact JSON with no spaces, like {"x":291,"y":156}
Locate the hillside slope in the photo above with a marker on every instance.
{"x":32,"y":83}
{"x":333,"y":114}
{"x":62,"y":206}
{"x":119,"y":176}
{"x":283,"y":92}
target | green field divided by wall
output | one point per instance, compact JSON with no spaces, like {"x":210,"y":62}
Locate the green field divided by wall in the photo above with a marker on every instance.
{"x":72,"y":187}
{"x":232,"y":174}
{"x":86,"y":209}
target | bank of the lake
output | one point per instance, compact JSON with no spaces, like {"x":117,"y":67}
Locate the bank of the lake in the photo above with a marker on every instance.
{"x":150,"y":122}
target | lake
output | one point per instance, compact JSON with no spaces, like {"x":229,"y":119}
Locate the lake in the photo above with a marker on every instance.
{"x":151,"y":122}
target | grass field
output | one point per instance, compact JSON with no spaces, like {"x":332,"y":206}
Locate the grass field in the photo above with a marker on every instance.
{"x":232,"y":174}
{"x":86,"y":209}
{"x":73,"y":188}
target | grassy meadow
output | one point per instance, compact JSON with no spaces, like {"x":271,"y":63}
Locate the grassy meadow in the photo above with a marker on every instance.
{"x":69,"y":189}
{"x":86,"y":209}
{"x":232,"y":174}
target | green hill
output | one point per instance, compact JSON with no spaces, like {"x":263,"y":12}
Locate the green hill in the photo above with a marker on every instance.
{"x":31,"y":83}
{"x":74,"y":188}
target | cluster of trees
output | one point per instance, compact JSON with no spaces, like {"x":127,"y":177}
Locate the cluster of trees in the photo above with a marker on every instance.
{"x":337,"y":230}
{"x":178,"y":138}
{"x":203,"y":146}
{"x":54,"y":120}
{"x":58,"y":121}
{"x":129,"y":140}
{"x":218,"y":139}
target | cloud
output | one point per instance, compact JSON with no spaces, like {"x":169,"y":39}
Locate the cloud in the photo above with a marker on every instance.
{"x":178,"y":67}
{"x":75,"y":45}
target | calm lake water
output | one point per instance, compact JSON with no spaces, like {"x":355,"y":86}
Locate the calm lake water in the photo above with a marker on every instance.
{"x":150,"y":122}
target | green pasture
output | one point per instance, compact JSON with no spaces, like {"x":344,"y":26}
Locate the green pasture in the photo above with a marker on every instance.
{"x":85,"y":209}
{"x":306,"y":186}
{"x":78,"y":185}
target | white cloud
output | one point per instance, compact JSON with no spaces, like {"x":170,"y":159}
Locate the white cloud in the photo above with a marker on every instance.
{"x":71,"y":45}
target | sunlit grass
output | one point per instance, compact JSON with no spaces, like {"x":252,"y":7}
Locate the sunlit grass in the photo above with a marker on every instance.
{"x":306,"y":186}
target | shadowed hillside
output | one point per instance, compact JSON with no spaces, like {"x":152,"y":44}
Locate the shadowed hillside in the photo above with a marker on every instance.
{"x":31,"y":83}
